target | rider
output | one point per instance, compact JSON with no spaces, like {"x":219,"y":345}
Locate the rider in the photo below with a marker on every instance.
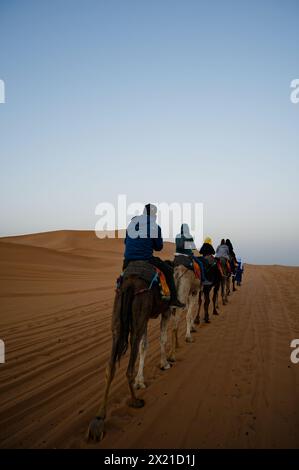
{"x":207,"y":247}
{"x":207,"y":251}
{"x":143,"y":236}
{"x":230,"y":246}
{"x":184,"y":243}
{"x":222,"y":250}
{"x":239,"y":271}
{"x":231,"y":250}
{"x":233,"y":258}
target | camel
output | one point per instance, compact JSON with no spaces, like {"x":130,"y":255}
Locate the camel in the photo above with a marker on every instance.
{"x":233,"y":264}
{"x":188,"y":287}
{"x":135,"y":303}
{"x":214,"y":280}
{"x":225,"y":281}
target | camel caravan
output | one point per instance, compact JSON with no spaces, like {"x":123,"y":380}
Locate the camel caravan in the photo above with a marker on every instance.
{"x":149,"y":287}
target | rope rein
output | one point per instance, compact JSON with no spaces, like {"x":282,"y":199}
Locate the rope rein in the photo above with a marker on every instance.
{"x":187,"y":269}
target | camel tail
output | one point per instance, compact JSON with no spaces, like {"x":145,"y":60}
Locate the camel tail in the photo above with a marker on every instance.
{"x":125,"y":321}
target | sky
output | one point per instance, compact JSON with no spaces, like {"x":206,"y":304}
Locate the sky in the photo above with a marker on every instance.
{"x":161,"y":100}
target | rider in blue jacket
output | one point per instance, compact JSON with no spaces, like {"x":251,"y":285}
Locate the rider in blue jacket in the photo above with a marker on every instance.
{"x":143,"y":237}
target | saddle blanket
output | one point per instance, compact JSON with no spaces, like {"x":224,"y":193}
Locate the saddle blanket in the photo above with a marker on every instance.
{"x":148,"y":273}
{"x":187,"y":262}
{"x":222,"y":264}
{"x":207,"y":263}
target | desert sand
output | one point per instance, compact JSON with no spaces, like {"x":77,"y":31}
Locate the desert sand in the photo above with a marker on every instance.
{"x":235,"y":386}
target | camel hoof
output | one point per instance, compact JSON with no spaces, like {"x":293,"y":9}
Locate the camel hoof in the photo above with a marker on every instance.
{"x":137,"y":403}
{"x":166,"y":366}
{"x":139,"y":385}
{"x":189,"y":339}
{"x":172,"y":359}
{"x":95,"y":431}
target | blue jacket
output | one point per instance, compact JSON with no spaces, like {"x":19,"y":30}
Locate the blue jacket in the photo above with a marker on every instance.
{"x":143,"y":236}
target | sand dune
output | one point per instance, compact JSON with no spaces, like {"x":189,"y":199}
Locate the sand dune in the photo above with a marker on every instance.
{"x":234,"y":387}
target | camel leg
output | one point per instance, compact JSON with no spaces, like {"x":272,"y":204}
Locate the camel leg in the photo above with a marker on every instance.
{"x":174,"y":336}
{"x":194,"y":309}
{"x":217,"y":297}
{"x":177,"y":318}
{"x":223,"y":291}
{"x":215,"y":300}
{"x":206,"y":304}
{"x":135,"y":341}
{"x":183,"y":290}
{"x":139,"y":380}
{"x":197,"y":318}
{"x":188,"y":337}
{"x":227,"y":288}
{"x":164,"y":365}
{"x":177,"y":344}
{"x":96,"y":427}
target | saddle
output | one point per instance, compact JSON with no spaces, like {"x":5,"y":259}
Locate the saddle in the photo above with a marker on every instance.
{"x":142,"y":269}
{"x":208,"y":263}
{"x":187,"y":262}
{"x":224,"y":266}
{"x":183,"y":260}
{"x":148,"y":273}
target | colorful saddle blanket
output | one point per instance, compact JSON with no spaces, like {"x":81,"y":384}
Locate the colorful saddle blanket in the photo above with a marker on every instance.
{"x":207,"y":263}
{"x":148,"y":273}
{"x":189,"y":263}
{"x":224,"y":266}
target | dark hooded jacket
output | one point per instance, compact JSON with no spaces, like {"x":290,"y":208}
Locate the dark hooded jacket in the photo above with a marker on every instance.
{"x":184,"y":243}
{"x":207,"y":250}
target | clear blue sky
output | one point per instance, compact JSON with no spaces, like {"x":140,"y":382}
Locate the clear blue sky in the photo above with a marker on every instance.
{"x":161,"y":100}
